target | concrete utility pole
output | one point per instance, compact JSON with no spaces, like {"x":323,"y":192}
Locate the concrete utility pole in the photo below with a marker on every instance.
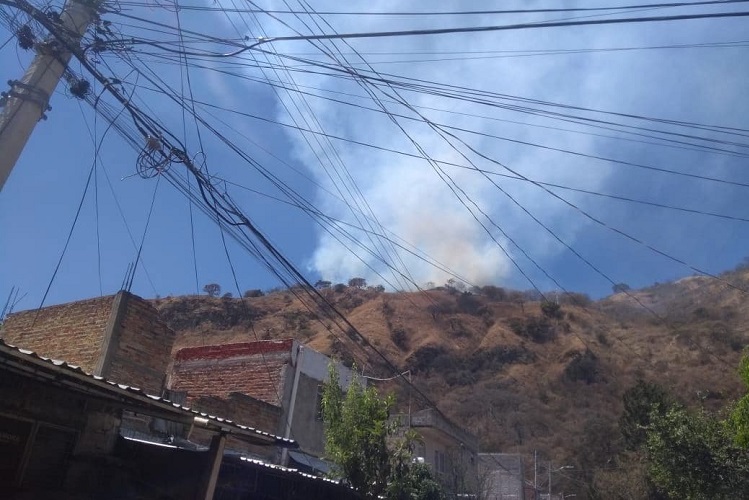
{"x":28,"y":99}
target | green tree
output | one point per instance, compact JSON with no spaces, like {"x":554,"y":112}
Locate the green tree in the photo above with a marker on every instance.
{"x":738,"y":420}
{"x":361,"y":440}
{"x":640,"y":401}
{"x":693,"y":456}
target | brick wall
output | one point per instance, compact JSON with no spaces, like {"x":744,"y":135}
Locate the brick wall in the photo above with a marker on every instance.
{"x":72,"y":332}
{"x":141,"y":347}
{"x":257,"y":369}
{"x":242,"y":409}
{"x":119,"y":337}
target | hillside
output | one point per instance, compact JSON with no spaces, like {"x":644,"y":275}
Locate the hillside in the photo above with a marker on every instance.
{"x":520,"y":373}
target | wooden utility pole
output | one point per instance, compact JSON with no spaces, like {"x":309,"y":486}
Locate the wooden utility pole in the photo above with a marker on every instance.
{"x":27,"y":100}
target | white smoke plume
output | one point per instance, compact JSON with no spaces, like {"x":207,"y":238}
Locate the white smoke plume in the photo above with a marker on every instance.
{"x":413,"y":201}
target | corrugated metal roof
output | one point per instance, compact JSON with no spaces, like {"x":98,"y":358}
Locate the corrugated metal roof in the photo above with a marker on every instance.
{"x":287,"y":470}
{"x":63,"y":367}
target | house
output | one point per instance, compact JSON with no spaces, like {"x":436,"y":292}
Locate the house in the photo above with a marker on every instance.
{"x":61,"y":436}
{"x":278,"y":381}
{"x":450,"y":451}
{"x":68,"y":431}
{"x":502,"y":476}
{"x":118,"y":336}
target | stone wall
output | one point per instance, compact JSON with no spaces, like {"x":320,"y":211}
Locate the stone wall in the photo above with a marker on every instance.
{"x":72,"y":332}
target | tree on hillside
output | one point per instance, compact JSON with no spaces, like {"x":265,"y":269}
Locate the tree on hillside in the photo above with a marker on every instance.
{"x":212,"y":289}
{"x":360,"y":440}
{"x":620,"y":287}
{"x":357,"y":282}
{"x":323,"y":284}
{"x":640,"y":402}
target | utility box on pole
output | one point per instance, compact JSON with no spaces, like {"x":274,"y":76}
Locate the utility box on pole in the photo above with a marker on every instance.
{"x":28,"y":99}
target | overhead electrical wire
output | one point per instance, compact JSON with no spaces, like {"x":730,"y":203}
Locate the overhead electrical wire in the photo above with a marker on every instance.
{"x":445,"y":13}
{"x":215,"y":200}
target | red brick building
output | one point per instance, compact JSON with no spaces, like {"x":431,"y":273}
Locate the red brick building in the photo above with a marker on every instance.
{"x":137,"y":433}
{"x":119,"y":337}
{"x":278,"y":382}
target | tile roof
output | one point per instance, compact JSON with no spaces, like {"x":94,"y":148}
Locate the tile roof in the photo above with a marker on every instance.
{"x":30,"y":361}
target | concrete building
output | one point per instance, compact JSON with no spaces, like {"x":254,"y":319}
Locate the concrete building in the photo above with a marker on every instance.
{"x":502,"y":476}
{"x":278,"y":381}
{"x":450,"y":451}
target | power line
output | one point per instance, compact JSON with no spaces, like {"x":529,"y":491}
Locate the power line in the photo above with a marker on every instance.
{"x":484,"y":29}
{"x":455,"y":30}
{"x":447,"y":13}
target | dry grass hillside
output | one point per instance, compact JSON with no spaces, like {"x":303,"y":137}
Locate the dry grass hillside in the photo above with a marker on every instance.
{"x":520,"y":373}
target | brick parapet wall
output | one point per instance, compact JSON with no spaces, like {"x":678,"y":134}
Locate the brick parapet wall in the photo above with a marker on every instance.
{"x":236,"y":350}
{"x":202,"y":372}
{"x":243,"y":410}
{"x":72,"y":332}
{"x":141,"y":353}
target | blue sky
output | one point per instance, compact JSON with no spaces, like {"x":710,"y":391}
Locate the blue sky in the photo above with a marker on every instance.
{"x":406,"y":196}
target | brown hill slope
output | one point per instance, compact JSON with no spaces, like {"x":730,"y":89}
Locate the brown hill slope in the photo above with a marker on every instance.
{"x":519,"y":373}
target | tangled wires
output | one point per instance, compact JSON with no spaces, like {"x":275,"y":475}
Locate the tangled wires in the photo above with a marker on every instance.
{"x":153,"y":160}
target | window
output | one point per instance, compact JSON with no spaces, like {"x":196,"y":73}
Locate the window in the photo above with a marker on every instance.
{"x":439,"y":461}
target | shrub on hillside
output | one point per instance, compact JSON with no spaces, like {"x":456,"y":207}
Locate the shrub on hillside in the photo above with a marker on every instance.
{"x":469,"y":304}
{"x":583,"y":367}
{"x":494,"y":293}
{"x":399,"y":336}
{"x":575,"y":299}
{"x":551,"y":309}
{"x":439,"y":308}
{"x":423,"y":358}
{"x":249,"y":294}
{"x":537,"y":329}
